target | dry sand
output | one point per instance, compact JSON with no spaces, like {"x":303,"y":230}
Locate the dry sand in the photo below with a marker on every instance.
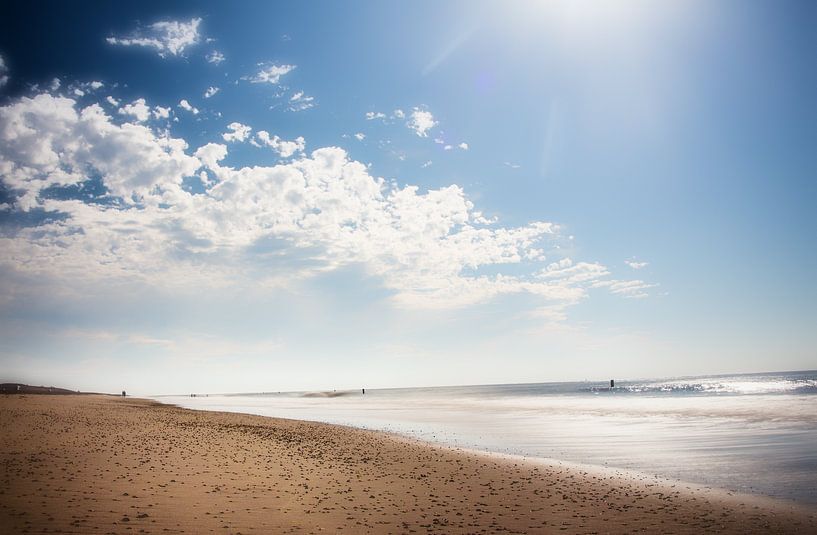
{"x":96,"y":464}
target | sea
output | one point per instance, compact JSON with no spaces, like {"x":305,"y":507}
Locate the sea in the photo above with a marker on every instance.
{"x":752,"y":433}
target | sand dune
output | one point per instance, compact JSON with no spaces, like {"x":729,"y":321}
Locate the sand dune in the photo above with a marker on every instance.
{"x":96,"y":464}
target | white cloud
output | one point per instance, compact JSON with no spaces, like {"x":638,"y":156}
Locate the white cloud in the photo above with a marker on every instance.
{"x":215,"y":57}
{"x":593,"y":275}
{"x":137,"y":109}
{"x":112,"y":101}
{"x":55,"y":84}
{"x":83,"y":88}
{"x":421,"y":121}
{"x":300,"y":102}
{"x":636,"y":264}
{"x":512,"y":165}
{"x":463,"y":146}
{"x":183,"y":104}
{"x":166,"y":37}
{"x":324,"y":211}
{"x":282,"y":147}
{"x":270,"y":73}
{"x":49,"y":142}
{"x":634,"y":289}
{"x":399,"y":114}
{"x":427,"y":164}
{"x":448,"y":147}
{"x":210,"y":154}
{"x":4,"y":72}
{"x":211,"y":91}
{"x":238,"y":132}
{"x":372,"y":115}
{"x":160,"y":112}
{"x":566,"y":270}
{"x":360,"y":136}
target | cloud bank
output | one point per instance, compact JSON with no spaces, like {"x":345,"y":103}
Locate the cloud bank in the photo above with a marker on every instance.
{"x":119,"y":200}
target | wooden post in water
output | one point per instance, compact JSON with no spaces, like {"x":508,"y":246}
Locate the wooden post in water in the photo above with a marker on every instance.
{"x":612,"y":384}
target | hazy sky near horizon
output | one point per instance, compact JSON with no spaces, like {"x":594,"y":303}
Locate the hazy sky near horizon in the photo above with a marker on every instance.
{"x":316,"y":195}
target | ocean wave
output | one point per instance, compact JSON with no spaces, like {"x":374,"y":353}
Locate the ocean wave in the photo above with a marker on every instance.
{"x":721,"y":386}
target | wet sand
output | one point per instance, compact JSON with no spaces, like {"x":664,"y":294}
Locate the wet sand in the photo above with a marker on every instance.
{"x":97,"y":464}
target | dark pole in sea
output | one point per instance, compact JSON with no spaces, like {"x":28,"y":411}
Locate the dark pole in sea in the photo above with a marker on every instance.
{"x":612,"y":384}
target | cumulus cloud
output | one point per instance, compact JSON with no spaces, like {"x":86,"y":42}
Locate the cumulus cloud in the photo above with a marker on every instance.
{"x":168,"y":38}
{"x":215,"y":57}
{"x":80,"y":89}
{"x":636,"y":264}
{"x":238,"y":132}
{"x":112,"y":101}
{"x":49,"y":142}
{"x":136,"y":109}
{"x":360,"y":136}
{"x":270,"y":73}
{"x":210,"y":154}
{"x":160,"y":112}
{"x":428,"y":248}
{"x":284,"y":148}
{"x":183,"y":104}
{"x":421,"y":121}
{"x":372,"y":115}
{"x":463,"y":146}
{"x":211,"y":91}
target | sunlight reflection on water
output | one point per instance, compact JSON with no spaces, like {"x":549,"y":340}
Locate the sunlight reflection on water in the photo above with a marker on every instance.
{"x":761,"y":443}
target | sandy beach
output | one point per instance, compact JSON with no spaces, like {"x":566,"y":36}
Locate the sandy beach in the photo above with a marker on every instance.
{"x":99,"y":464}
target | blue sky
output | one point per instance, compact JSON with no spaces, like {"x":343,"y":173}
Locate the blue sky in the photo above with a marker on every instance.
{"x":332,"y":195}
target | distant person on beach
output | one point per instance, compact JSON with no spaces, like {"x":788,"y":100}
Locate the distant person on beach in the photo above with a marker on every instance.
{"x":123,"y":393}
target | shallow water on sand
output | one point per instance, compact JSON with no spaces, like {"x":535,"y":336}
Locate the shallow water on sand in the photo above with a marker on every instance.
{"x":750,"y":433}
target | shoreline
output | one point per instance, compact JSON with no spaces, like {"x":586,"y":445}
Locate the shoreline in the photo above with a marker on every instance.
{"x":584,"y":448}
{"x":271,"y":474}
